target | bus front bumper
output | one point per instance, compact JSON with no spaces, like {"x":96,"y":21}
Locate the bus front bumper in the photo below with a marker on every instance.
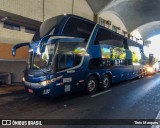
{"x":37,"y":89}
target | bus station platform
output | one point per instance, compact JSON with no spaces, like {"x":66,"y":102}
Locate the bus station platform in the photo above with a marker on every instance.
{"x":11,"y":89}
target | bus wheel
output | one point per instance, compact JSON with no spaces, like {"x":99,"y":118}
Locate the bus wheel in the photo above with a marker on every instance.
{"x":143,"y":74}
{"x":91,"y":85}
{"x":139,"y":75}
{"x":105,"y":82}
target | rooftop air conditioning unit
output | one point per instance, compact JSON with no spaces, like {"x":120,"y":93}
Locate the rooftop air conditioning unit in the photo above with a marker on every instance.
{"x":108,"y":22}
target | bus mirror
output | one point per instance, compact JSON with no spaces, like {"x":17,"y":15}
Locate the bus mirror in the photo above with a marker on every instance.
{"x":13,"y":51}
{"x":15,"y":47}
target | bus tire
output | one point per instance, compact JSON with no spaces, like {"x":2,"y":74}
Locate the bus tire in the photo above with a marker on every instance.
{"x":143,"y":74}
{"x":139,"y":75}
{"x":105,"y":82}
{"x":91,"y":85}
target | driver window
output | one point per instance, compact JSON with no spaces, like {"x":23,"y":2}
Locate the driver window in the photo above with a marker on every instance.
{"x":64,"y":61}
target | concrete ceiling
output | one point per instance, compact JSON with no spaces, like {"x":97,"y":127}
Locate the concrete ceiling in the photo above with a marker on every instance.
{"x":143,"y":15}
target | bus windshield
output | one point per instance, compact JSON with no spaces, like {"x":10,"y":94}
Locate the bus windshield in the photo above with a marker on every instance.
{"x":59,"y":55}
{"x":43,"y":60}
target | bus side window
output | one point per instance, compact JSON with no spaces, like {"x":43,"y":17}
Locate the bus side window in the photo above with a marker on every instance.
{"x":95,"y":63}
{"x":78,"y":28}
{"x":102,"y":36}
{"x":69,"y":62}
{"x":107,"y":62}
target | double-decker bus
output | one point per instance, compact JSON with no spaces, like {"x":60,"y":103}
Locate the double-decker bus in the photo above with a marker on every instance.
{"x":70,"y":53}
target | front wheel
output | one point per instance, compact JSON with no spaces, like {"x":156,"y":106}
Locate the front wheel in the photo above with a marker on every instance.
{"x":91,"y":85}
{"x":105,"y":82}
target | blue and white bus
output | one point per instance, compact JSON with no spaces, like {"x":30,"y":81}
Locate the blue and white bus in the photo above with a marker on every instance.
{"x":70,"y":53}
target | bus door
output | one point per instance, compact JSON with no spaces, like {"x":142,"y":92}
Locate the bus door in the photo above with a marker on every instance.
{"x":129,"y":69}
{"x":66,"y":65}
{"x":120,"y":68}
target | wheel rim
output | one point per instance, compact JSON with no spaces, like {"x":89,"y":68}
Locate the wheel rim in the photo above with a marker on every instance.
{"x":142,"y":75}
{"x":91,"y":85}
{"x":105,"y":82}
{"x":139,"y":75}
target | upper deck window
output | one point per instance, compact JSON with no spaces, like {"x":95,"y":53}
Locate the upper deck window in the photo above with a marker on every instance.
{"x":107,"y":37}
{"x":76,"y":27}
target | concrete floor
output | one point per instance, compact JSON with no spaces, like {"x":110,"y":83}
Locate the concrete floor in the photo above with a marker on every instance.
{"x":134,"y":99}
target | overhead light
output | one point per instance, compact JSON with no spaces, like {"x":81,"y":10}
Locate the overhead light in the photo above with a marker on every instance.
{"x":4,"y":18}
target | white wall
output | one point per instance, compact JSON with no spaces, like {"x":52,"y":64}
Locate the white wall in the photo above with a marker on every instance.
{"x":135,"y":35}
{"x":28,"y":8}
{"x":57,"y":7}
{"x":81,"y":8}
{"x":34,"y":8}
{"x":14,"y":37}
{"x":117,"y":21}
{"x":114,"y":18}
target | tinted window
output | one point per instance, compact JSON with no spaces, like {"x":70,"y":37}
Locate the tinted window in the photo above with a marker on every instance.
{"x":105,"y":36}
{"x":136,"y":55}
{"x":118,"y":56}
{"x":95,"y":63}
{"x":69,"y":54}
{"x":65,"y":61}
{"x":76,"y":27}
{"x":47,"y":27}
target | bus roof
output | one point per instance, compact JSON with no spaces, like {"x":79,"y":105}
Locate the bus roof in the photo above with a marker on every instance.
{"x":50,"y":23}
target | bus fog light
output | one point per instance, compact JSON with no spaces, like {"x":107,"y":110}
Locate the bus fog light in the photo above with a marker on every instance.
{"x":46,"y":82}
{"x":46,"y":91}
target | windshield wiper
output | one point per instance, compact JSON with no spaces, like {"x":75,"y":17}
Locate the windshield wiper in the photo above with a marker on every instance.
{"x":45,"y":72}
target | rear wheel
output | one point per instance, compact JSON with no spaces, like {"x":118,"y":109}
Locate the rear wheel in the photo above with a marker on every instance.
{"x":91,"y":85}
{"x":143,"y":74}
{"x":105,"y":82}
{"x":139,"y":75}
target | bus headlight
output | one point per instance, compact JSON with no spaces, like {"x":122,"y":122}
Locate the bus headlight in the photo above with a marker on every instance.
{"x":23,"y":79}
{"x":46,"y":82}
{"x":150,"y":69}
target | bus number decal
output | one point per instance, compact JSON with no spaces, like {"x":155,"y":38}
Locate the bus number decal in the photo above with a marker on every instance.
{"x":66,"y":80}
{"x":71,"y":71}
{"x":67,"y":88}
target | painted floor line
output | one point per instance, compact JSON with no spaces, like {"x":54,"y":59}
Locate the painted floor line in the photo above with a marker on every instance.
{"x":130,"y":82}
{"x":100,"y":93}
{"x":135,"y":81}
{"x":158,"y":117}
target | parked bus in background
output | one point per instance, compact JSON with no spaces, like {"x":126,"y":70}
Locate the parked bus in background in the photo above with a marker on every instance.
{"x":153,"y":65}
{"x":139,"y":59}
{"x":71,"y":53}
